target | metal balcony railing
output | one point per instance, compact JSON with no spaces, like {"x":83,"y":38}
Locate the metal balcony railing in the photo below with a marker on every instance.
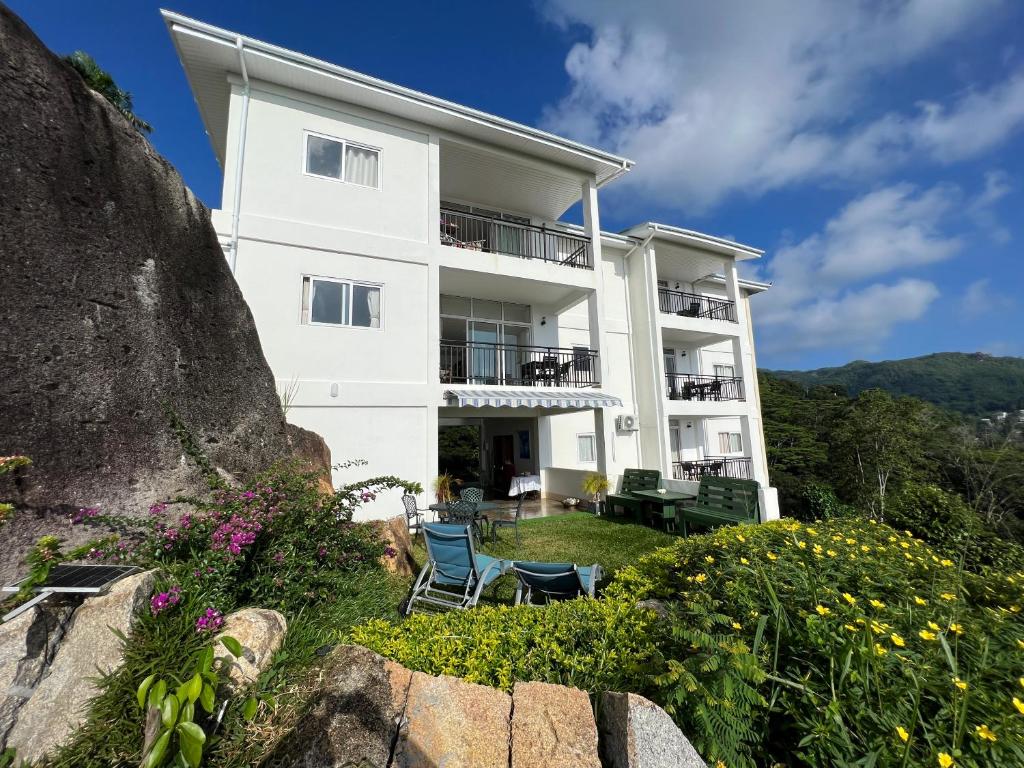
{"x":474,"y":362}
{"x":739,"y":467}
{"x":695,"y":305}
{"x":688,"y":386}
{"x":481,"y":233}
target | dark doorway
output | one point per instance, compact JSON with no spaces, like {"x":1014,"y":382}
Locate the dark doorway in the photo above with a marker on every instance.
{"x":503,"y":462}
{"x":458,"y":452}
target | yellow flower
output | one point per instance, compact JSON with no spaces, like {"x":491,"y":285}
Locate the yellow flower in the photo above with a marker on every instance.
{"x":709,"y":559}
{"x":744,"y":561}
{"x":851,"y":542}
{"x":831,"y":552}
{"x":904,"y":545}
{"x":771,"y":556}
{"x":849,"y":598}
{"x":1021,"y":681}
{"x":879,"y":650}
{"x":934,"y":626}
{"x":946,"y":563}
{"x":920,"y":600}
{"x":877,"y":628}
{"x":823,"y":610}
{"x":956,"y":628}
{"x":924,"y":634}
{"x":1018,"y":704}
{"x":802,"y":544}
{"x":1020,"y":644}
{"x":850,"y":627}
{"x":700,"y":578}
{"x":984,"y":732}
{"x":961,"y":684}
{"x":902,"y":733}
{"x":740,"y":537}
{"x":897,"y":640}
{"x":737,"y":625}
{"x":865,"y":548}
{"x":945,"y":761}
{"x":948,"y":596}
{"x":877,"y":604}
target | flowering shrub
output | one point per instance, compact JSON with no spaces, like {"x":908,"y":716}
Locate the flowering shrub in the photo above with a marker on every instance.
{"x":161,"y":601}
{"x":211,"y":621}
{"x":869,"y":646}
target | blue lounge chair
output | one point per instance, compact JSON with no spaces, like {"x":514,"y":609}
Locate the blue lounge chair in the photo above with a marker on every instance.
{"x":555,"y":581}
{"x":455,"y":574}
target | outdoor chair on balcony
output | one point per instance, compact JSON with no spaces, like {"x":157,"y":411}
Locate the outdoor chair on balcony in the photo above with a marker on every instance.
{"x":513,"y":523}
{"x":454,"y":575}
{"x":691,"y":311}
{"x":555,"y":581}
{"x":413,"y":514}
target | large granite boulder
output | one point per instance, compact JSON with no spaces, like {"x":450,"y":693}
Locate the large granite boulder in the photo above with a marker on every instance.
{"x":552,"y":727}
{"x":89,"y":648}
{"x":637,"y":733}
{"x":353,"y":718}
{"x":398,"y":557}
{"x":115,"y":300}
{"x":260,"y":632}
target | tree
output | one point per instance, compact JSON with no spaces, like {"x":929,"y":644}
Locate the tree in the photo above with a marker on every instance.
{"x":100,"y":81}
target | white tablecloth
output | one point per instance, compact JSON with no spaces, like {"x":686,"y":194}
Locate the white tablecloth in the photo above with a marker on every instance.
{"x":523,"y":483}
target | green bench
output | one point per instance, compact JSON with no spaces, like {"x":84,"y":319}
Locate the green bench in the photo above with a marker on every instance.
{"x":634,"y":480}
{"x":722,"y":501}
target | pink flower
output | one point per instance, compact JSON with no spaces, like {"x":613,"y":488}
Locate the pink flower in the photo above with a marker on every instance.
{"x":164,"y":600}
{"x":210,"y":621}
{"x":84,"y":514}
{"x":158,"y":509}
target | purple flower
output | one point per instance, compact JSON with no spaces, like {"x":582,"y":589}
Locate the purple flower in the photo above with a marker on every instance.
{"x":210,"y":621}
{"x":84,"y":514}
{"x":158,"y":509}
{"x":390,"y":551}
{"x":279,"y":557}
{"x":164,"y":600}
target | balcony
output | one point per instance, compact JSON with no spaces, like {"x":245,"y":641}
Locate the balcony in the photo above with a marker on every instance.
{"x":695,"y":305}
{"x":491,"y":235}
{"x":688,"y":386}
{"x":474,"y":362}
{"x":739,"y":467}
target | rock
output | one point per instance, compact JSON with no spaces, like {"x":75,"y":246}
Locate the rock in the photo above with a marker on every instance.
{"x":637,"y":733}
{"x":260,"y":632}
{"x":659,"y":608}
{"x":313,"y":452}
{"x":28,"y":644}
{"x":115,"y":298}
{"x":552,"y":727}
{"x":398,"y":558}
{"x":454,"y":723}
{"x":89,"y":649}
{"x":353,"y":717}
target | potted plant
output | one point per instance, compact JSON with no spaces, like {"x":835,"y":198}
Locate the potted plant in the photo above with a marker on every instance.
{"x":443,"y":488}
{"x":594,"y":485}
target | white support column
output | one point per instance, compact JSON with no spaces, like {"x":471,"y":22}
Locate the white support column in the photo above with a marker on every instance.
{"x":432,"y":377}
{"x":604,"y":424}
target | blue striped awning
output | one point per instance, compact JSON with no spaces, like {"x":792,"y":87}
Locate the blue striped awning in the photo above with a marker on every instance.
{"x":532,"y":398}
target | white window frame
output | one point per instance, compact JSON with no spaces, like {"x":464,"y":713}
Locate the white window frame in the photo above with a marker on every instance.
{"x":305,"y":319}
{"x":729,"y":436}
{"x":732,"y":369}
{"x":592,"y":436}
{"x":345,"y":143}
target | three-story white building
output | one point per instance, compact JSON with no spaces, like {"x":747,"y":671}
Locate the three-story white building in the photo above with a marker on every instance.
{"x":424,"y":309}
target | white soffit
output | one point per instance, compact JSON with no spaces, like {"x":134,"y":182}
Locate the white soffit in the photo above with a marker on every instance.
{"x":209,"y":55}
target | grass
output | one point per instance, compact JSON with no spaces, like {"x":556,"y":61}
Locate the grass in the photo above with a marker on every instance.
{"x":576,"y":537}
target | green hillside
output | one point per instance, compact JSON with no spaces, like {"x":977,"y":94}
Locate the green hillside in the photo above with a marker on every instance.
{"x":969,"y":383}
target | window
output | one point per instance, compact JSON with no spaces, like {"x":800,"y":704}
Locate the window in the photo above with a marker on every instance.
{"x":340,"y":302}
{"x":342,"y":161}
{"x":586,"y":447}
{"x":725,"y":371}
{"x":730,"y":442}
{"x":581,"y":358}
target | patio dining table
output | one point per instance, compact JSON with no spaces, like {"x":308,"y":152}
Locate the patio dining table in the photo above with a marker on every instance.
{"x":481,"y":506}
{"x":665,"y":502}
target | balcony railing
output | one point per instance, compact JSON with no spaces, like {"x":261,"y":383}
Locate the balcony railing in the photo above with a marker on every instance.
{"x":695,"y":305}
{"x":475,"y":362}
{"x":480,"y":233}
{"x":687,"y":386}
{"x":739,"y":467}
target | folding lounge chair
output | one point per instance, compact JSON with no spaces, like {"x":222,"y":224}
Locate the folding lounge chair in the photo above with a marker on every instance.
{"x":455,"y":574}
{"x":555,"y":581}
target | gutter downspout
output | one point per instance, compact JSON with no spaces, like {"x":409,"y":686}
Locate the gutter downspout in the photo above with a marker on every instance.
{"x":240,"y":159}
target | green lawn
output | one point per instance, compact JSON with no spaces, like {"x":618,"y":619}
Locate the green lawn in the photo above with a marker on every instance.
{"x":577,"y":537}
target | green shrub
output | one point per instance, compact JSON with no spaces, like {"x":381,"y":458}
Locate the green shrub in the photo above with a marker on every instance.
{"x":821,"y":502}
{"x":595,"y":645}
{"x":863,"y":634}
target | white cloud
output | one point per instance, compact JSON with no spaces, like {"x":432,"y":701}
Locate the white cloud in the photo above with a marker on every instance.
{"x":997,"y":186}
{"x":980,"y":298}
{"x":717,"y":98}
{"x":828,"y":288}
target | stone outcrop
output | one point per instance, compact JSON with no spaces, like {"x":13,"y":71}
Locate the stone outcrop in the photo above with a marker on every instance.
{"x":637,"y":733}
{"x":552,"y":727}
{"x":260,"y":632}
{"x":59,"y":704}
{"x":313,"y":451}
{"x":115,"y":299}
{"x":395,"y":533}
{"x":368,"y":711}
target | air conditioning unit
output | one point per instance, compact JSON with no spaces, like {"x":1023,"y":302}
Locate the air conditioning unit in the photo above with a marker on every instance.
{"x":627,"y":423}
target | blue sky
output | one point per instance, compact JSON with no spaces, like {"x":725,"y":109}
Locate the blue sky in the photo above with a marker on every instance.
{"x":874,"y":150}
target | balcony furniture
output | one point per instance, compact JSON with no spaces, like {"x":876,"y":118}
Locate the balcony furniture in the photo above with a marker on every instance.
{"x":691,"y":311}
{"x":499,"y":522}
{"x":722,"y":501}
{"x":738,"y":467}
{"x":555,"y":581}
{"x":454,"y":575}
{"x":689,"y":386}
{"x":413,"y":514}
{"x":663,"y":504}
{"x":480,"y":362}
{"x":495,"y":234}
{"x":695,"y":305}
{"x":634,"y":480}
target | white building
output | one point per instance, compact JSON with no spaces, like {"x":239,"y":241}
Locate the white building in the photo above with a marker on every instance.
{"x":408,"y":275}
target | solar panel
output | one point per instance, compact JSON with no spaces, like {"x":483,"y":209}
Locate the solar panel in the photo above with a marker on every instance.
{"x":82,"y":579}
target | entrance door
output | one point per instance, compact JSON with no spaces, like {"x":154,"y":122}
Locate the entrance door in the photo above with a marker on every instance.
{"x":484,"y":354}
{"x":503,"y":462}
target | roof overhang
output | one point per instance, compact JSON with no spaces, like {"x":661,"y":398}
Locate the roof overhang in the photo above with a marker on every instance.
{"x":531,"y":398}
{"x":210,"y":55}
{"x":747,"y":286}
{"x":697,"y":240}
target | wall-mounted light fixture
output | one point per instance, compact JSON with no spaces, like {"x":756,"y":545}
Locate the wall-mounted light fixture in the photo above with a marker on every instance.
{"x":683,"y":353}
{"x":689,"y":425}
{"x":543,"y":320}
